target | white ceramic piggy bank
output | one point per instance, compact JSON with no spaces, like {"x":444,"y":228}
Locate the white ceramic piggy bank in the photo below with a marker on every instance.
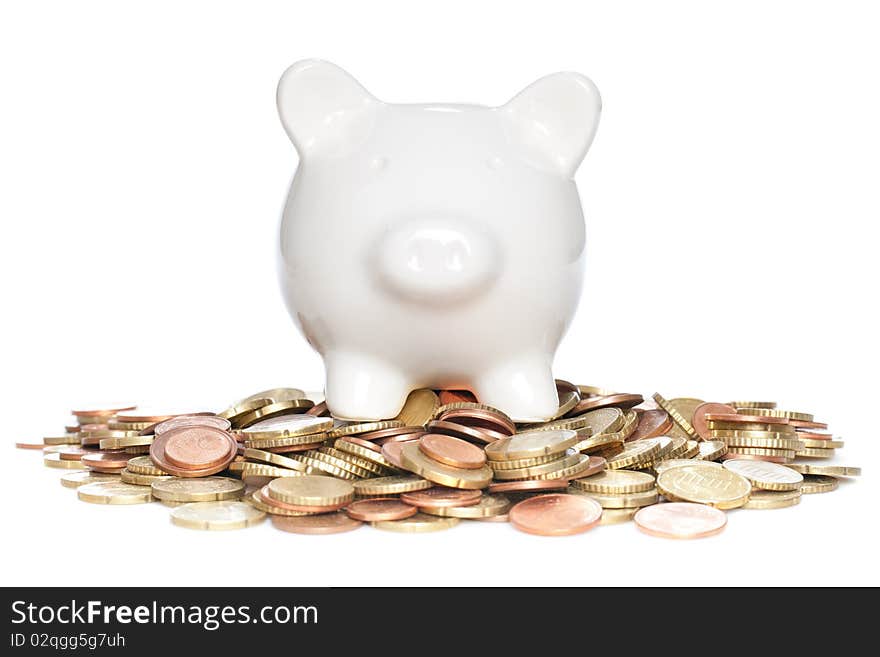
{"x":434,"y":245}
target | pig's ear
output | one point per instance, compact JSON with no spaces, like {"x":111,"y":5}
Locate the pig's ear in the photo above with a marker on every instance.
{"x":554,"y":120}
{"x":322,"y":107}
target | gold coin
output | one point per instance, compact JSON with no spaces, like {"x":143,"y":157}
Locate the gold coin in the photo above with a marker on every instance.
{"x":692,"y":449}
{"x":109,"y":433}
{"x":678,"y":447}
{"x":311,"y":490}
{"x":814,"y":484}
{"x":263,"y":470}
{"x":238,"y":410}
{"x":568,"y":472}
{"x":420,"y":522}
{"x":615,"y":516}
{"x":129,"y":426}
{"x":733,"y":450}
{"x":270,"y":411}
{"x":660,"y":466}
{"x":572,"y":423}
{"x":412,"y":458}
{"x":69,"y":439}
{"x":120,"y":443}
{"x":615,"y":482}
{"x":768,"y":499}
{"x":565,"y":461}
{"x":363,"y":427}
{"x":829,"y":470}
{"x":531,"y":444}
{"x":55,"y":461}
{"x":341,"y":463}
{"x":306,"y":428}
{"x":419,"y":407}
{"x":313,"y":439}
{"x":638,"y":452}
{"x":372,"y":469}
{"x":489,"y":505}
{"x":216,"y":515}
{"x":821,"y":444}
{"x":129,"y":477}
{"x":628,"y":501}
{"x":114,"y":492}
{"x":751,"y":404}
{"x":83,"y":477}
{"x":753,"y":439}
{"x":323,"y":466}
{"x":390,"y":485}
{"x":256,"y":501}
{"x":201,"y":489}
{"x":704,"y":484}
{"x":786,"y":430}
{"x":766,"y":476}
{"x":364,"y":453}
{"x":567,"y":401}
{"x":595,"y":391}
{"x":711,"y":450}
{"x":681,"y":410}
{"x":144,"y":465}
{"x":599,"y":443}
{"x":525,"y":463}
{"x":775,"y":412}
{"x":278,"y":460}
{"x":809,"y":452}
{"x":604,"y":420}
{"x":273,"y":395}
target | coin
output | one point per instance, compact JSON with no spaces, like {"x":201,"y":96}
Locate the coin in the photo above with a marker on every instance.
{"x":106,"y":460}
{"x":114,"y":492}
{"x":419,"y":407}
{"x":767,"y":476}
{"x":710,"y":450}
{"x":70,"y":439}
{"x":262,"y":470}
{"x":526,"y":463}
{"x":704,"y":484}
{"x":740,"y":418}
{"x":489,"y":505}
{"x":616,"y":516}
{"x":593,"y":391}
{"x":555,"y":514}
{"x":383,"y":508}
{"x":801,"y":424}
{"x":287,"y":426}
{"x":476,"y":434}
{"x":190,"y":420}
{"x":198,"y":447}
{"x":812,"y":484}
{"x":143,"y":465}
{"x":813,"y":453}
{"x":268,"y":505}
{"x":615,"y":482}
{"x":453,"y":396}
{"x":651,"y":424}
{"x":777,"y":413}
{"x":311,"y":490}
{"x":620,"y":400}
{"x":278,"y":460}
{"x":767,"y":499}
{"x":392,"y":453}
{"x":484,"y":418}
{"x":638,"y":452}
{"x":394,"y":485}
{"x":55,"y":461}
{"x":267,"y":498}
{"x":564,"y":461}
{"x":681,"y":409}
{"x":318,"y":410}
{"x":737,"y":439}
{"x":83,"y":477}
{"x":441,"y":496}
{"x":830,"y":470}
{"x":204,"y":489}
{"x":364,"y":428}
{"x":699,"y":422}
{"x":581,"y":424}
{"x":524,"y":485}
{"x":752,"y":404}
{"x":216,"y":515}
{"x":269,"y":411}
{"x":412,"y":459}
{"x":29,"y":445}
{"x":815,"y":436}
{"x":568,"y":399}
{"x":373,"y":454}
{"x":420,"y":522}
{"x":625,"y":501}
{"x":101,"y":410}
{"x":274,"y":394}
{"x":531,"y":444}
{"x":129,"y":477}
{"x":324,"y":523}
{"x":680,"y":520}
{"x":660,"y":466}
{"x":452,"y":451}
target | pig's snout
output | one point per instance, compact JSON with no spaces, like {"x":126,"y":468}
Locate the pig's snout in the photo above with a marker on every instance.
{"x":436,"y":261}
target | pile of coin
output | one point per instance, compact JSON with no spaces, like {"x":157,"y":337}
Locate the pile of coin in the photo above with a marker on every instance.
{"x":673,"y":466}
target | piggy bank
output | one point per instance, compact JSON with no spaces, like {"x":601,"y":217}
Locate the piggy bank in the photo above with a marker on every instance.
{"x":434,"y":245}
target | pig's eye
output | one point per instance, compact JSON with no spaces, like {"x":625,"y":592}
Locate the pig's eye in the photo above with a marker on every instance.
{"x":494,"y":162}
{"x":379,"y":164}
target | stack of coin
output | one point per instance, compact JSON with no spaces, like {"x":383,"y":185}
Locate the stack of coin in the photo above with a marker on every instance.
{"x":447,"y":458}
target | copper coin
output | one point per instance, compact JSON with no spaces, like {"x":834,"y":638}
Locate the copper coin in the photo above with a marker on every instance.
{"x":380,"y":508}
{"x":324,"y":523}
{"x":455,"y":396}
{"x":803,"y":424}
{"x":267,"y":498}
{"x":74,"y":452}
{"x":595,"y":466}
{"x":700,"y":413}
{"x":527,"y":485}
{"x":107,"y":410}
{"x":105,"y":470}
{"x":442,"y":497}
{"x":157,"y":454}
{"x":293,"y":448}
{"x":809,"y":435}
{"x":621,"y":400}
{"x":452,"y":451}
{"x":736,"y":417}
{"x":391,"y":452}
{"x":652,"y":423}
{"x":106,"y":460}
{"x":556,"y":514}
{"x":319,"y":410}
{"x":680,"y":520}
{"x":473,"y":434}
{"x":197,"y":447}
{"x":366,"y":444}
{"x":480,"y":418}
{"x":402,"y":438}
{"x":192,"y":420}
{"x":143,"y":416}
{"x":388,"y":434}
{"x":564,"y":387}
{"x":29,"y":445}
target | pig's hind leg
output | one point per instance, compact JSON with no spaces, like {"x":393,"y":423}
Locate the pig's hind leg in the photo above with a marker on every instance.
{"x":523,"y":387}
{"x":361,"y":387}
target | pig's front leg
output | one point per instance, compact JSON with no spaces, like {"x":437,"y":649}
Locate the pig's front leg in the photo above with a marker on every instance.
{"x":523,"y":387}
{"x":362,"y":387}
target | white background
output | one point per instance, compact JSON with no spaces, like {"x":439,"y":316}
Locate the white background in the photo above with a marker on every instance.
{"x":731,"y":198}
